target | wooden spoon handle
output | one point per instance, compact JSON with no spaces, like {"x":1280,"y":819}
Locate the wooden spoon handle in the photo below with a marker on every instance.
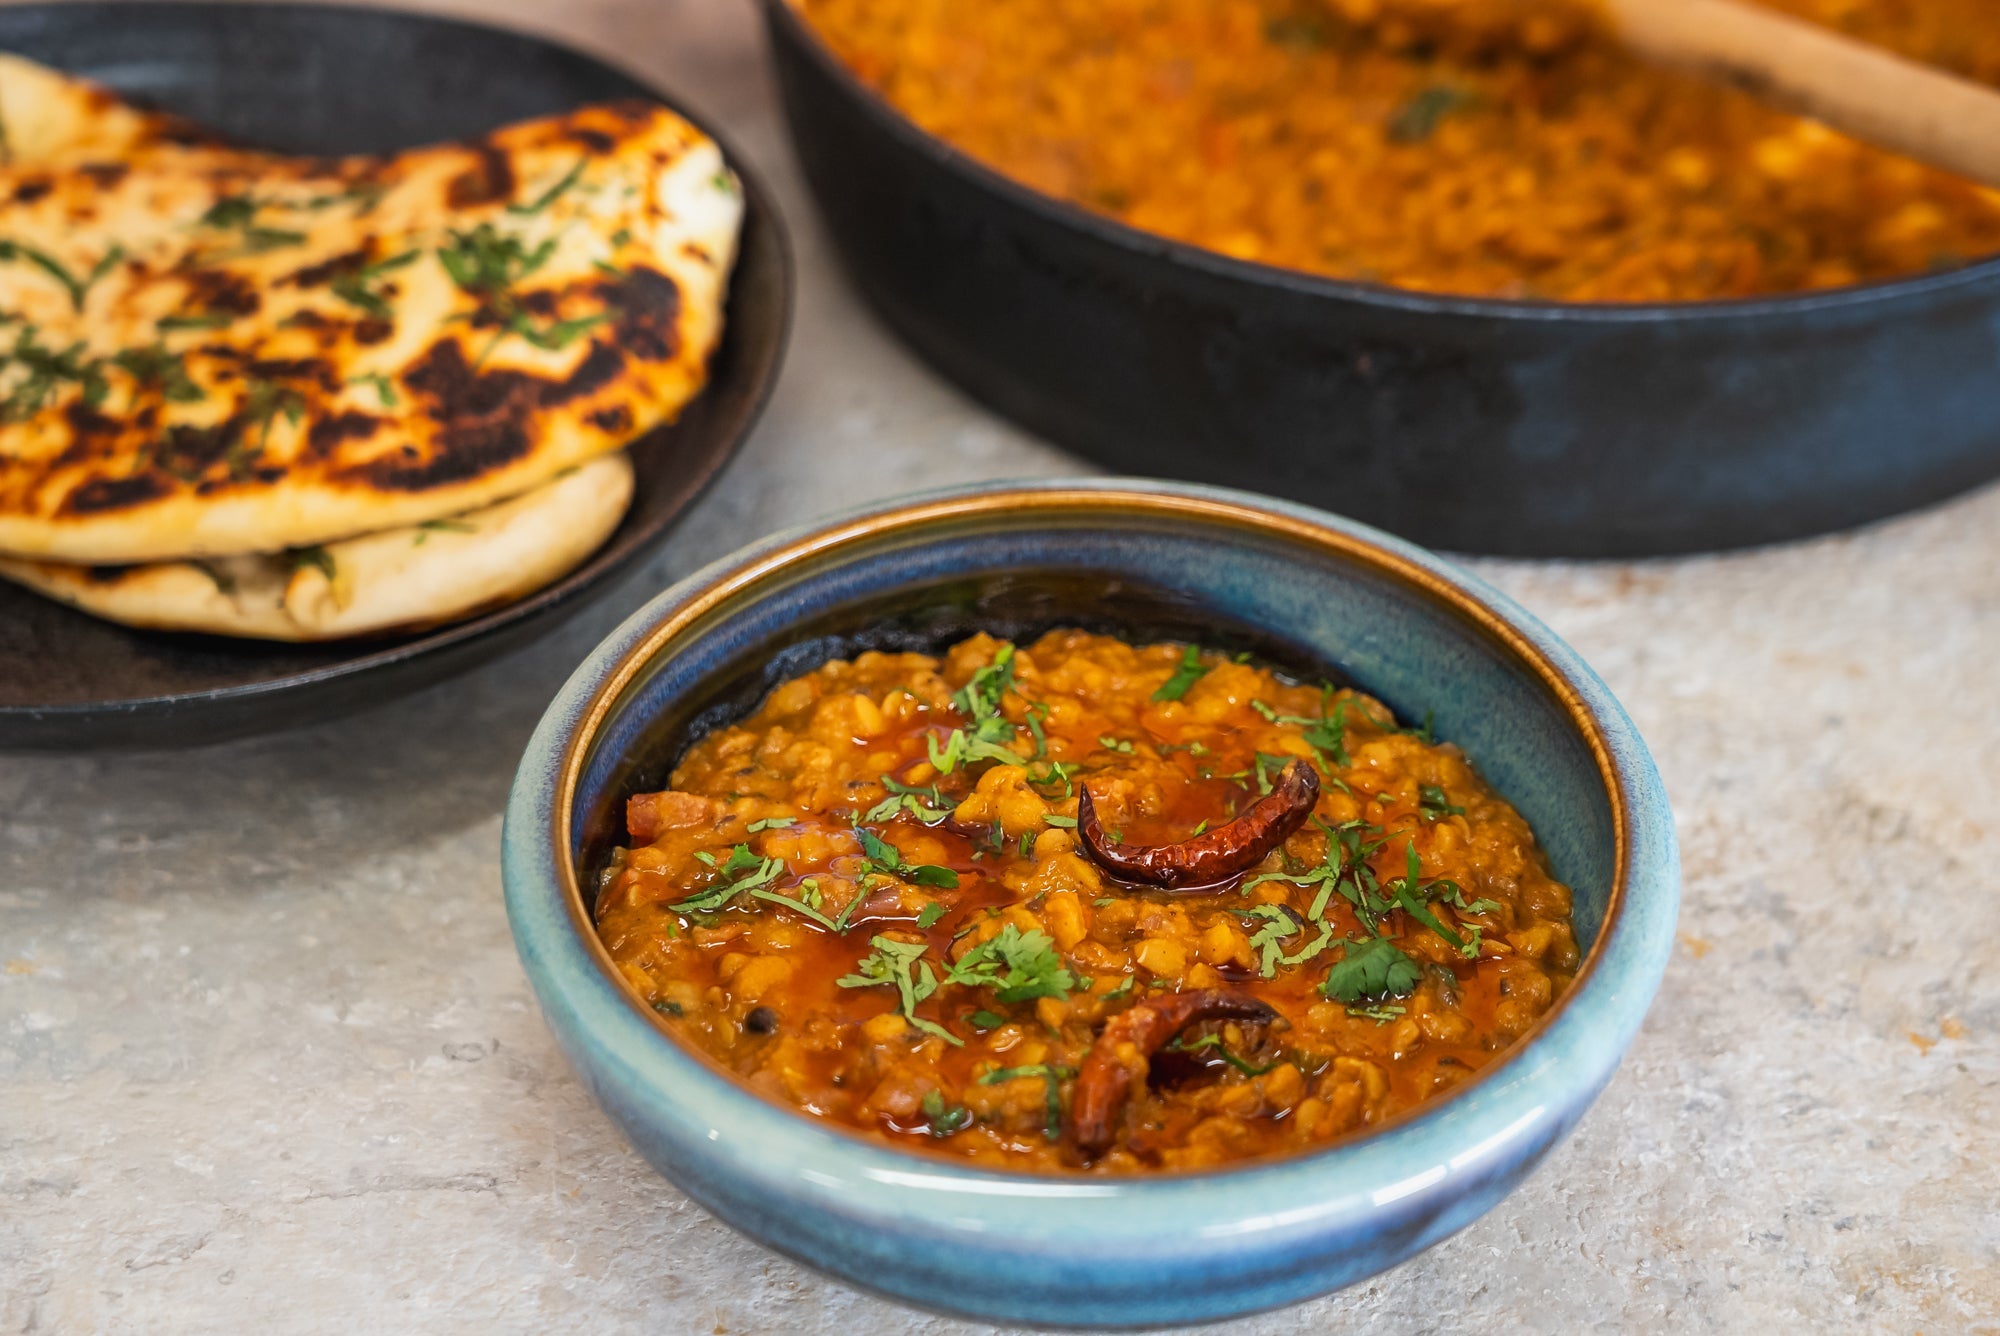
{"x":1867,"y":92}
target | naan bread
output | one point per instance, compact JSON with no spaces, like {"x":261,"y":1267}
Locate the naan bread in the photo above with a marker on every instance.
{"x":49,"y":119}
{"x":398,"y":580}
{"x":206,"y":351}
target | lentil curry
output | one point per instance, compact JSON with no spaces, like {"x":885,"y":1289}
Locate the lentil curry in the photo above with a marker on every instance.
{"x":1483,"y":147}
{"x":1085,"y":905}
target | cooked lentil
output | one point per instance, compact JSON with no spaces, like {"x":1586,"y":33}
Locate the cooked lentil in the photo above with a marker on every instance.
{"x":1440,"y":145}
{"x":866,"y":900}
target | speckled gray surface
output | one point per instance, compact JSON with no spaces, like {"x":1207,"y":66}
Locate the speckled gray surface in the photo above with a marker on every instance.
{"x":267,"y":1062}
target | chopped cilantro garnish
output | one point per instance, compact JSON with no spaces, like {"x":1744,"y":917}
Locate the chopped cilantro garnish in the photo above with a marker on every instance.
{"x":1381,"y":1015}
{"x":1052,"y":1120}
{"x":931,"y":913}
{"x":928,"y":806}
{"x":986,"y":1020}
{"x":155,"y":366}
{"x":980,"y":697}
{"x":801,"y":906}
{"x":1409,"y":893}
{"x":981,"y":744}
{"x":77,"y":288}
{"x":1417,"y":118}
{"x":385,"y":389}
{"x":743,"y":872}
{"x":1058,"y":772}
{"x":1190,"y":672}
{"x":944,"y":1119}
{"x":201,"y":320}
{"x":549,"y":196}
{"x":355,"y":288}
{"x":1214,"y":1041}
{"x":1434,"y":803}
{"x":884,"y":858}
{"x":1279,"y":925}
{"x":1369,"y":971}
{"x":1056,"y":819}
{"x":1120,"y":745}
{"x":1018,"y":966}
{"x":771,"y":823}
{"x":900,"y":965}
{"x":46,"y":370}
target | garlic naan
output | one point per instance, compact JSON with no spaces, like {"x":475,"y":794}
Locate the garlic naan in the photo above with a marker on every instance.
{"x":207,"y":351}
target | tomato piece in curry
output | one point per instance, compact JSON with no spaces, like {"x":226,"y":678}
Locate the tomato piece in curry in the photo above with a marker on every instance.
{"x":868,"y":901}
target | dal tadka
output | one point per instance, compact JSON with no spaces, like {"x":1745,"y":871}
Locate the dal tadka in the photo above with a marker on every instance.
{"x":1085,"y":906}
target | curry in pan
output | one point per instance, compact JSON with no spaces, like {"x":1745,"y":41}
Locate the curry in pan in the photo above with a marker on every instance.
{"x":1480,"y":147}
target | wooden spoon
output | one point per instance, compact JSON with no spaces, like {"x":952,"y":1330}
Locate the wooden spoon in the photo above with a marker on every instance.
{"x":1897,"y":104}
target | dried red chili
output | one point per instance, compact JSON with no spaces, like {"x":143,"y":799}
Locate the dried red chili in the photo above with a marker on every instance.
{"x":1128,"y":1042}
{"x":1216,"y":856}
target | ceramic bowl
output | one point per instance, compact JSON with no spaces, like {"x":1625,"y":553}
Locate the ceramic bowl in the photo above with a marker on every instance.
{"x":1147,"y":561}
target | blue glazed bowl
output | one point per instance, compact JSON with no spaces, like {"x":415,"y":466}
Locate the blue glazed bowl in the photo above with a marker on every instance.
{"x":1148,"y":561}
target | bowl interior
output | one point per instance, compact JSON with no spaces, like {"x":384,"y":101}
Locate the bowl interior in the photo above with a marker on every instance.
{"x":1310,"y":601}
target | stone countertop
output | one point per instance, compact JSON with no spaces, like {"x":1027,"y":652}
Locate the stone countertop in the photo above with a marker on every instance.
{"x":267,"y":1061}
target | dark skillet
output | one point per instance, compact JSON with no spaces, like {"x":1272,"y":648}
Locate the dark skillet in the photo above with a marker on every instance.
{"x":1532,"y":429}
{"x":323,"y":79}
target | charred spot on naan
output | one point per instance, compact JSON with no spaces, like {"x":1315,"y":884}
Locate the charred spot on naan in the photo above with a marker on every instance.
{"x":650,"y":307}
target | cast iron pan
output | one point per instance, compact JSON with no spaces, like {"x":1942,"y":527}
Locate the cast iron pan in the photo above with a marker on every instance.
{"x":324,"y":79}
{"x":1530,"y":429}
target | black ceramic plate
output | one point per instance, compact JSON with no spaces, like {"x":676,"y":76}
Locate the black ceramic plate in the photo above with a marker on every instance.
{"x":325,"y":79}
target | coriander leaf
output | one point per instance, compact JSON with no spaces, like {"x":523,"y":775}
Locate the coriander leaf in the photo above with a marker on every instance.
{"x":1370,"y":970}
{"x":944,"y":1119}
{"x":931,"y":914}
{"x":1381,"y":1015}
{"x":743,"y":872}
{"x":799,"y":907}
{"x":1052,"y":1106}
{"x":203,"y":320}
{"x":357,"y":288}
{"x":1409,"y":894}
{"x":1185,"y":676}
{"x":77,"y":288}
{"x":1214,"y":1041}
{"x":980,"y":697}
{"x":385,"y":389}
{"x":550,"y":195}
{"x":1433,"y":803}
{"x":884,"y":855}
{"x":900,"y":965}
{"x":1062,"y":822}
{"x":986,"y":1020}
{"x":928,"y":806}
{"x":932,"y":875}
{"x":1018,"y":966}
{"x":771,"y":823}
{"x":1418,"y":118}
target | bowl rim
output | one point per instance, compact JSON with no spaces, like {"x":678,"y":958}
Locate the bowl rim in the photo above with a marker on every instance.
{"x":1534,"y":1091}
{"x":1142,"y":245}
